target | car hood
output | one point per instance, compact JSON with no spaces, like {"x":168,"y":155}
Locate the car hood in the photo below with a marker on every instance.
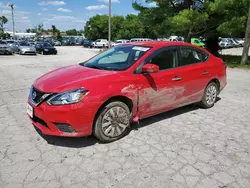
{"x":27,"y":47}
{"x":68,"y":78}
{"x":4,"y":45}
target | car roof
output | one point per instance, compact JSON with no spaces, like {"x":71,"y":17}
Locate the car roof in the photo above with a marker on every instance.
{"x":162,"y":43}
{"x":159,"y":44}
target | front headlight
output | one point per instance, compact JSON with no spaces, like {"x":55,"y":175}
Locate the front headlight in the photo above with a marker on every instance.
{"x":68,"y":97}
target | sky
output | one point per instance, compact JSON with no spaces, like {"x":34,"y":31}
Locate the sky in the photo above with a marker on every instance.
{"x":66,"y":14}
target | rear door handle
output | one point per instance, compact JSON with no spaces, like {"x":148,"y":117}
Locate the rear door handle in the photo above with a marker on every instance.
{"x":177,"y":78}
{"x":205,"y":72}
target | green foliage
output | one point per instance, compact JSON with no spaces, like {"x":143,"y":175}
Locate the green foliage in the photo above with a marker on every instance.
{"x":72,"y":32}
{"x":131,"y":28}
{"x":96,"y":27}
{"x":4,"y":35}
{"x":128,"y":27}
{"x":3,"y":20}
{"x":234,"y":61}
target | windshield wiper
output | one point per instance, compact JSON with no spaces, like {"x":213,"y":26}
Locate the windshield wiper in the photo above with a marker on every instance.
{"x":101,"y":68}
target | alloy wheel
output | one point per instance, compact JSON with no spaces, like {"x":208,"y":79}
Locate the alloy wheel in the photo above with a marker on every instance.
{"x":115,"y":121}
{"x":211,"y":94}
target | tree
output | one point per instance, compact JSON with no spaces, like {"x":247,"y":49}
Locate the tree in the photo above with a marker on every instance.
{"x":28,"y":30}
{"x":3,"y":20}
{"x":96,"y":27}
{"x":191,"y":18}
{"x":245,"y":52}
{"x":72,"y":32}
{"x":128,"y":27}
{"x":54,"y":30}
{"x":131,"y":28}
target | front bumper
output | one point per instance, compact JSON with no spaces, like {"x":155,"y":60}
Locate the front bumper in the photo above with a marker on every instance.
{"x":49,"y":51}
{"x":74,"y":120}
{"x":31,"y":52}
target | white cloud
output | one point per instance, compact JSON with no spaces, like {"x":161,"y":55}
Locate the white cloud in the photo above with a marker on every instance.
{"x":39,"y":14}
{"x":65,"y":19}
{"x":63,"y":10}
{"x":107,"y":1}
{"x":22,"y":20}
{"x":96,"y":7}
{"x":54,"y":3}
{"x":2,"y":5}
{"x":44,"y":9}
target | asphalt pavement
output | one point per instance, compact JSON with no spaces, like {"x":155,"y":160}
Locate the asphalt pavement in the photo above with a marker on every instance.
{"x":188,"y":147}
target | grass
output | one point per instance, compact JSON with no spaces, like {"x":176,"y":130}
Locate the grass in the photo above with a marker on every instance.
{"x":234,"y":61}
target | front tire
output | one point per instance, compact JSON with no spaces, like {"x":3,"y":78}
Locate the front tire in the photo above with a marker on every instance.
{"x":210,"y":96}
{"x":112,"y":122}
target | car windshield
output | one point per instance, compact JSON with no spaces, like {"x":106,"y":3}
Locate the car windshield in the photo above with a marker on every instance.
{"x":2,"y":42}
{"x":117,"y":58}
{"x":23,"y":43}
{"x":10,"y":42}
{"x":47,"y":45}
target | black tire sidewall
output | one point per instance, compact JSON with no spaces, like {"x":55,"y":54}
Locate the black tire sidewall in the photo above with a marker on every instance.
{"x":98,"y":132}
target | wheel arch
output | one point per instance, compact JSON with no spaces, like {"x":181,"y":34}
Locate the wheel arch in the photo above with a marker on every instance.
{"x":216,"y":81}
{"x":120,"y":98}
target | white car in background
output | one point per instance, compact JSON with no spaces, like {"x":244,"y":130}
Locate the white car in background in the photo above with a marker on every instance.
{"x":241,"y":41}
{"x":101,"y":43}
{"x":140,"y":40}
{"x":119,"y":42}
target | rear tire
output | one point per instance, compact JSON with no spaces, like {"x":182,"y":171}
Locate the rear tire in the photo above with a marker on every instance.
{"x":112,"y":122}
{"x":210,"y":96}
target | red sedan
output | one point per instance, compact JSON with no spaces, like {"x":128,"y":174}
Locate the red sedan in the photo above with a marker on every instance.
{"x":122,"y":85}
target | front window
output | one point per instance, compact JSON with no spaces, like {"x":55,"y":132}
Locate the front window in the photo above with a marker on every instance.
{"x":2,"y":42}
{"x":117,"y":58}
{"x":10,"y":42}
{"x":47,"y":45}
{"x":23,"y":43}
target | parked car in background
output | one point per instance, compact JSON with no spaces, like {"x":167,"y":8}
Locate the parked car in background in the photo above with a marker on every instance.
{"x":32,"y":43}
{"x":101,"y":43}
{"x":88,"y":43}
{"x":140,"y":39}
{"x":119,"y":42}
{"x":176,"y":39}
{"x":241,"y":41}
{"x":57,"y":43}
{"x":45,"y":48}
{"x":236,"y":43}
{"x":23,"y":47}
{"x":9,"y":42}
{"x":104,"y":94}
{"x":198,"y":42}
{"x":5,"y":48}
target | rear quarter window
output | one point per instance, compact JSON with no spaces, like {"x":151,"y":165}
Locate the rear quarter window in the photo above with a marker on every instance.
{"x":191,"y":55}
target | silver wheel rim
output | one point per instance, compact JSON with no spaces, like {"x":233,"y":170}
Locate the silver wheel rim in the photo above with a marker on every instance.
{"x":115,"y":121}
{"x":211,"y":95}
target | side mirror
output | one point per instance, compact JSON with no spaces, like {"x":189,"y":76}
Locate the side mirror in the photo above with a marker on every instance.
{"x":150,"y":68}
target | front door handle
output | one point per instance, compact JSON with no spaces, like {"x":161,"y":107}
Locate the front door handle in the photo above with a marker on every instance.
{"x":205,"y":72}
{"x":176,"y":78}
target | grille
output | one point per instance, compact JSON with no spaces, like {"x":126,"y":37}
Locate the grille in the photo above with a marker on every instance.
{"x":37,"y":96}
{"x":65,"y":127}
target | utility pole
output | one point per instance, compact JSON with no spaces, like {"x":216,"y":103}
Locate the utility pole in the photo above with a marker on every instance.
{"x":12,"y":9}
{"x":109,"y":23}
{"x":245,"y":52}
